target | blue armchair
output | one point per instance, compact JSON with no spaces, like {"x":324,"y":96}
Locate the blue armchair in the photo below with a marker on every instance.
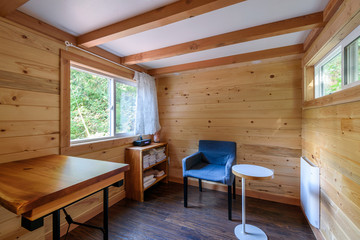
{"x":212,"y":162}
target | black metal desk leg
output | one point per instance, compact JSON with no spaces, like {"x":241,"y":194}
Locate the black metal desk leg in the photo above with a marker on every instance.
{"x":106,"y":213}
{"x":56,"y":225}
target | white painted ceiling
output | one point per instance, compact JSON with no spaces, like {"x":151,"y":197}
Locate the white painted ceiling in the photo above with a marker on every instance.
{"x":81,"y":16}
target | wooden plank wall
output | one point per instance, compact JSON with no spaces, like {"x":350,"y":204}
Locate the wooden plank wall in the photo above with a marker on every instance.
{"x":256,"y":105}
{"x":331,"y":139}
{"x":29,"y":116}
{"x":331,"y":133}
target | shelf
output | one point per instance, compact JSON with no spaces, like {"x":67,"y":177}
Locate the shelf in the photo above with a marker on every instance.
{"x":154,"y":164}
{"x":147,"y":147}
{"x":134,"y":178}
{"x":157,"y":180}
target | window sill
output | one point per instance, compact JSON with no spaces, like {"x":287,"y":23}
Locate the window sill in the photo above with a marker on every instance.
{"x":347,"y":95}
{"x":99,"y":139}
{"x":97,"y":145}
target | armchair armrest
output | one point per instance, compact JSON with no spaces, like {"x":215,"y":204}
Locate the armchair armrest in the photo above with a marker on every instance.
{"x":189,"y":161}
{"x":229,"y":176}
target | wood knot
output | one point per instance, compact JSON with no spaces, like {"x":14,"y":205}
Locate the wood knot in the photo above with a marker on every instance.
{"x":194,"y":46}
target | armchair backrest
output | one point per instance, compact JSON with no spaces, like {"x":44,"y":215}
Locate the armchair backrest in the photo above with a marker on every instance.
{"x":217,"y":152}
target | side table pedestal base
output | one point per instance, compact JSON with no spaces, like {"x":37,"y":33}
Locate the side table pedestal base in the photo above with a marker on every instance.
{"x":251,"y":233}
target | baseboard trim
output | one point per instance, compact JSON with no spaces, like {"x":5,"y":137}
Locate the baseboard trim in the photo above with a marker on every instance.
{"x":249,"y":193}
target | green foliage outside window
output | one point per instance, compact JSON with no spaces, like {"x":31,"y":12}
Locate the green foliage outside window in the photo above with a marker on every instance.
{"x":331,"y":75}
{"x":89,"y":105}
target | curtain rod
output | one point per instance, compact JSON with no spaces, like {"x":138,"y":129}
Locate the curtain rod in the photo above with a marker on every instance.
{"x":69,"y":44}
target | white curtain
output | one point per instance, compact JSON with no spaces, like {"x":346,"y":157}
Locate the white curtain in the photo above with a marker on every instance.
{"x":147,"y":115}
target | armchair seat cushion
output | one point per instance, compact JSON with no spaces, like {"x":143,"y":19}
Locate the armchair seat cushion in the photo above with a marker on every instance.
{"x":212,"y":162}
{"x":206,"y":171}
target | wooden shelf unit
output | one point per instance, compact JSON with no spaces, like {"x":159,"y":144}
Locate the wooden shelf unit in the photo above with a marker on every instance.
{"x":134,"y":184}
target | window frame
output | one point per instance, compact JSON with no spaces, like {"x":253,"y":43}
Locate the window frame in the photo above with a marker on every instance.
{"x":95,"y":65}
{"x":112,"y":105}
{"x":120,"y":80}
{"x":332,"y":53}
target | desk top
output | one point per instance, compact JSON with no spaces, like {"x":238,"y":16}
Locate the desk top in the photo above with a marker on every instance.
{"x":252,"y":172}
{"x":53,"y":181}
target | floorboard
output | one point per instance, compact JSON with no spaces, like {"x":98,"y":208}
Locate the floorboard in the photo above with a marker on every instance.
{"x":162,"y":216}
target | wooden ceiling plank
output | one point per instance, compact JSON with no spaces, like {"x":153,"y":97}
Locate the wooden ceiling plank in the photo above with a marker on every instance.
{"x":9,"y":6}
{"x":53,"y":32}
{"x":171,"y":13}
{"x":246,"y":57}
{"x":263,"y":31}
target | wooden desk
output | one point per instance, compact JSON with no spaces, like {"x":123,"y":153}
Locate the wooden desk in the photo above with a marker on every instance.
{"x":37,"y":187}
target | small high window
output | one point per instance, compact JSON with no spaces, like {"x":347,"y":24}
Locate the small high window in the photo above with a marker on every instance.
{"x":351,"y":62}
{"x":100,"y":106}
{"x":340,"y":68}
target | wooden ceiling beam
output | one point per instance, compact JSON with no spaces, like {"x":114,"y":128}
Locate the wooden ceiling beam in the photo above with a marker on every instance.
{"x":9,"y":6}
{"x":331,"y":9}
{"x":311,"y":37}
{"x":328,"y":12}
{"x":263,"y":31}
{"x":53,"y":32}
{"x":171,"y":13}
{"x":246,"y":57}
{"x":40,"y":26}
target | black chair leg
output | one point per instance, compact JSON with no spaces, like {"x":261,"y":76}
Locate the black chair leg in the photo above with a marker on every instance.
{"x":200,"y":185}
{"x":234,"y":189}
{"x":229,"y":202}
{"x":185,"y":191}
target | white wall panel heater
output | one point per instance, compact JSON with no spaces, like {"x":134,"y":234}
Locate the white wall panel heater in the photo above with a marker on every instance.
{"x":310,"y":191}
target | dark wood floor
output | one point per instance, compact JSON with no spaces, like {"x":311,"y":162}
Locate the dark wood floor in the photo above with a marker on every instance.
{"x":162,"y":216}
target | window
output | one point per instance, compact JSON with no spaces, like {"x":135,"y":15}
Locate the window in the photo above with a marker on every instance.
{"x":100,"y":106}
{"x":351,"y":62}
{"x":340,"y":68}
{"x":328,"y":74}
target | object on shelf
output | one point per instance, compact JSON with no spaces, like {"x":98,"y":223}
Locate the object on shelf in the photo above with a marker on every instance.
{"x":154,"y":173}
{"x":142,"y":142}
{"x":153,"y":156}
{"x":157,"y":136}
{"x":149,"y":182}
{"x":147,"y":178}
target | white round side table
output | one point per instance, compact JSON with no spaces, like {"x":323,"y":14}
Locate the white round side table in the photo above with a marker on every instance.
{"x":245,"y":231}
